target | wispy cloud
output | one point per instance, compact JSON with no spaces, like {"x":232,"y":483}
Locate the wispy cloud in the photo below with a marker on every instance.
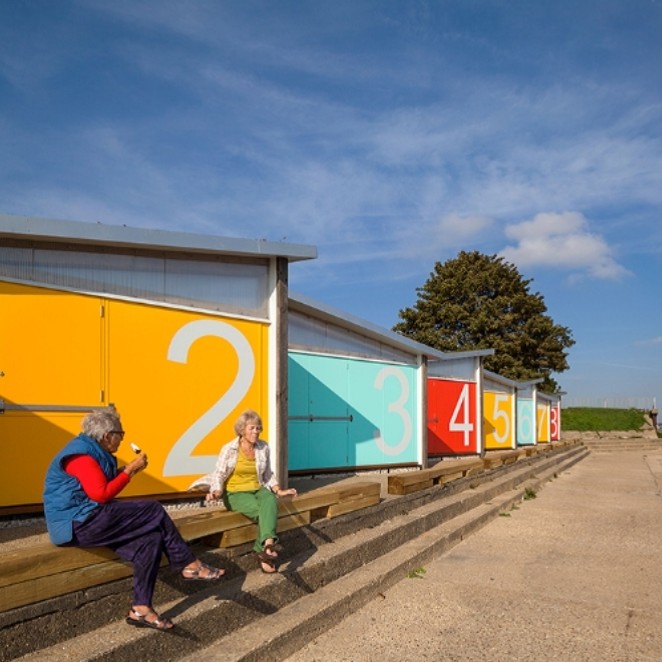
{"x":268,"y":128}
{"x":562,"y":241}
{"x":390,"y":135}
{"x":655,"y":342}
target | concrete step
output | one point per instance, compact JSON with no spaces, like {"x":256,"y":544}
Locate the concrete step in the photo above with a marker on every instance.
{"x":631,"y":444}
{"x":333,"y":567}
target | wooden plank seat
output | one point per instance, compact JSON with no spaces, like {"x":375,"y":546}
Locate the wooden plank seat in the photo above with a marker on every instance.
{"x":45,"y":571}
{"x":442,"y":472}
{"x":292,"y":513}
{"x":497,"y":458}
{"x":564,"y":443}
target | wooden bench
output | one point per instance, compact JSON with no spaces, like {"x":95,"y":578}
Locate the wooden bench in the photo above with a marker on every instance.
{"x":224,"y":529}
{"x":448,"y":470}
{"x":442,"y":472}
{"x":497,"y":458}
{"x":45,"y":571}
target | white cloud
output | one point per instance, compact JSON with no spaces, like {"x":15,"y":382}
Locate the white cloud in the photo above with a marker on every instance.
{"x":253,"y":148}
{"x":657,"y":341}
{"x":457,"y":227}
{"x":548,"y":224}
{"x":562,"y":241}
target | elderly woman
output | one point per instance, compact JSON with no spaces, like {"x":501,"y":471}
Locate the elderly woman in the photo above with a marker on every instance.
{"x":81,"y":510}
{"x":244,"y":479}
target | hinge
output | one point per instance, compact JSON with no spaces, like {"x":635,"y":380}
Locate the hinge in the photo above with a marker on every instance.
{"x":102,"y":311}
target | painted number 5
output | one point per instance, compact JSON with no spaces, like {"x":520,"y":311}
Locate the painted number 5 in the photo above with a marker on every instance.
{"x":180,"y":460}
{"x":501,"y":412}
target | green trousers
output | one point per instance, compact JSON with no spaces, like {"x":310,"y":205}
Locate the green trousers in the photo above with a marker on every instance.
{"x":260,"y":506}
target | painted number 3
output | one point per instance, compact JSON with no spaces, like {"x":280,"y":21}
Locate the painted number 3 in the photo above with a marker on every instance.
{"x":180,"y":460}
{"x":398,"y":408}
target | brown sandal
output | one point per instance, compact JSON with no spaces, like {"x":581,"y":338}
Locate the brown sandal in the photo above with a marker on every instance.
{"x":195,"y":573}
{"x":140,"y":620}
{"x":266,"y":560}
{"x":271,"y":551}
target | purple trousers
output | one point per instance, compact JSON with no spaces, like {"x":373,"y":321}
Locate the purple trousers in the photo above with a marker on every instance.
{"x":138,"y":532}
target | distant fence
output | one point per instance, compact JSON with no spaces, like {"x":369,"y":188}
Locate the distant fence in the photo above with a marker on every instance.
{"x":646,"y":404}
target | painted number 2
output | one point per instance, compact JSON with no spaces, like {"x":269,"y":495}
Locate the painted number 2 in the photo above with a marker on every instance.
{"x":180,"y":460}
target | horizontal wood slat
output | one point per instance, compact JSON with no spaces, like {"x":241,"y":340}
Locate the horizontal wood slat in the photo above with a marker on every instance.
{"x":444,"y":471}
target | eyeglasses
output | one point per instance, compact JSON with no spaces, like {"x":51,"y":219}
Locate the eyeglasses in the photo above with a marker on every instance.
{"x":121,"y":433}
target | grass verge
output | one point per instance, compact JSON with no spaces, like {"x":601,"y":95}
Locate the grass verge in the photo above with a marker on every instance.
{"x":584,"y":419}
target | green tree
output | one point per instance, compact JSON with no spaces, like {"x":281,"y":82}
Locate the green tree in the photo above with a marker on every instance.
{"x":476,"y":301}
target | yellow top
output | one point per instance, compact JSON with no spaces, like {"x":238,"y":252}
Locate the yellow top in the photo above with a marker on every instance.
{"x":244,"y":476}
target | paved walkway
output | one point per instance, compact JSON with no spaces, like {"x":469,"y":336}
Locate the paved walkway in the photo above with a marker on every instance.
{"x":574,"y":574}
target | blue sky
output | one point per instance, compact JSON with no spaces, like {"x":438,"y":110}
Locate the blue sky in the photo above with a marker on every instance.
{"x":389,"y":134}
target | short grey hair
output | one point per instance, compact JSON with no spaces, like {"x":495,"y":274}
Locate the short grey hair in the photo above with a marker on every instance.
{"x":100,"y":422}
{"x":249,"y":416}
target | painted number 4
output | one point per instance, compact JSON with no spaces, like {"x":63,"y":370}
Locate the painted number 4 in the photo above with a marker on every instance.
{"x":461,"y":418}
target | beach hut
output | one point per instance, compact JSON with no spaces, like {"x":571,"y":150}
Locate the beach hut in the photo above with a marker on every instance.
{"x":180,"y":332}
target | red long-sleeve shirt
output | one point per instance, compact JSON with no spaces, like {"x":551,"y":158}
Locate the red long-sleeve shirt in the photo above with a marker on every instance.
{"x":93,"y":480}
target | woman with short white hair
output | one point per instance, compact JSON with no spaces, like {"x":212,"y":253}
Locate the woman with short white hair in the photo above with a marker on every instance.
{"x":81,"y":510}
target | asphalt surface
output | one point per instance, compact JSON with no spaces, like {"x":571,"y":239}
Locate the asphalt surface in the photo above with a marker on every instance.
{"x":573,"y":574}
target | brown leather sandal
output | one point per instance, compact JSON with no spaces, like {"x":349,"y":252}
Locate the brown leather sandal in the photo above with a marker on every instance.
{"x":271,"y":551}
{"x":210,"y":575}
{"x":266,"y":560}
{"x":139,"y":620}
